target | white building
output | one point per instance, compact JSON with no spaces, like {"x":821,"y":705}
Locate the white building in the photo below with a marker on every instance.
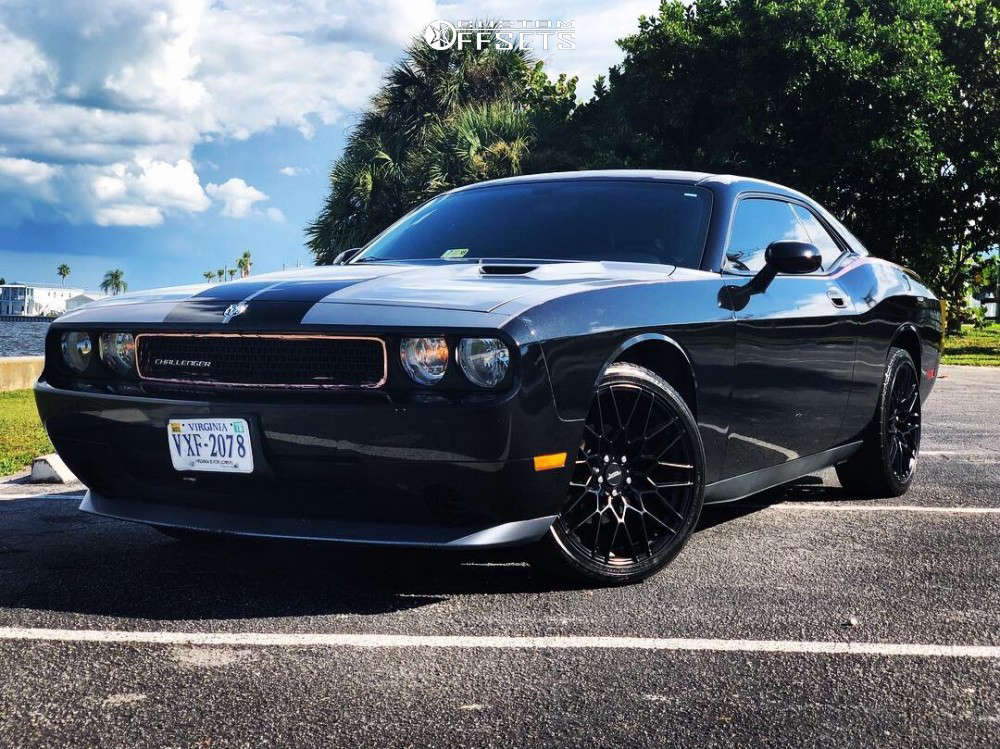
{"x":74,"y":302}
{"x":35,"y":299}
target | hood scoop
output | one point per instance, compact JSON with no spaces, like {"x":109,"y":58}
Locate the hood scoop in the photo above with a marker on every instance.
{"x":506,"y":267}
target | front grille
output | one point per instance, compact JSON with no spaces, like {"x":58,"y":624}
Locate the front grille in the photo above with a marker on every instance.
{"x":260,"y":360}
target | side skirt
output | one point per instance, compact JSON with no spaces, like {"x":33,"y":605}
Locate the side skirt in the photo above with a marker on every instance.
{"x":737,"y":487}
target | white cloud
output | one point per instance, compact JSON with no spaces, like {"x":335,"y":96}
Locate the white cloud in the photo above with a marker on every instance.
{"x":24,"y":69}
{"x":128,"y":215}
{"x":115,"y":94}
{"x":106,"y":99}
{"x":276,"y":215}
{"x":236,"y":196}
{"x":170,"y":185}
{"x":25,"y":170}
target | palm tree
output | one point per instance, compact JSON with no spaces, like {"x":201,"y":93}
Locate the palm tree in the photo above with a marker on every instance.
{"x":442,"y":119}
{"x":114,"y":282}
{"x":244,"y":262}
{"x":232,"y":273}
{"x":220,"y":273}
{"x":62,"y":271}
{"x":208,"y":275}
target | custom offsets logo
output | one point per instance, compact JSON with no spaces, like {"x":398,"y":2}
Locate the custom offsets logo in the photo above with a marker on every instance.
{"x":536,"y":34}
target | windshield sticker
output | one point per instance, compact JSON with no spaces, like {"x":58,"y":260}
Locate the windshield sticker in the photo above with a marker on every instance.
{"x":455,"y":254}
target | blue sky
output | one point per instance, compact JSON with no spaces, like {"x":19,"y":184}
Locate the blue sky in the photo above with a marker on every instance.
{"x":165,"y":137}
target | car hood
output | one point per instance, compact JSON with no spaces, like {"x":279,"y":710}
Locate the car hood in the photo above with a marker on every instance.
{"x":447,"y":286}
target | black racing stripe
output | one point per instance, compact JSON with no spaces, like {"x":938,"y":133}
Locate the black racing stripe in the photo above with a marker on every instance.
{"x":303,"y":291}
{"x":198,"y":311}
{"x":234,"y":291}
{"x":270,"y":305}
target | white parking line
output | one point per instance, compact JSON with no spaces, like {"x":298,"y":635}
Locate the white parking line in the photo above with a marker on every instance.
{"x":332,"y":640}
{"x":962,"y":453}
{"x":824,"y":507}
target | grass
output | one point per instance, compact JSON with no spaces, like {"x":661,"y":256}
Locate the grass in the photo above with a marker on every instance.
{"x":22,"y":436}
{"x":978,"y":347}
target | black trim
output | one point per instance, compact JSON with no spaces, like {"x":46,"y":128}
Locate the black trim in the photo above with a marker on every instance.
{"x":738,"y":487}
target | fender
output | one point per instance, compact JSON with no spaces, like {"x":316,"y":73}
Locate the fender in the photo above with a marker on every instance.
{"x":902,"y":330}
{"x":642,"y":338}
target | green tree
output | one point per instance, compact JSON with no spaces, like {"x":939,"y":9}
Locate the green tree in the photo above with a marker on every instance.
{"x":884,"y":110}
{"x":244,"y":262}
{"x":442,"y":118}
{"x":208,"y":275}
{"x":62,"y":271}
{"x":232,"y":273}
{"x":114,"y":282}
{"x":220,"y":274}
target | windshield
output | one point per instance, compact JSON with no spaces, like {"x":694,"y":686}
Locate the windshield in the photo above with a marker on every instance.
{"x":625,"y":220}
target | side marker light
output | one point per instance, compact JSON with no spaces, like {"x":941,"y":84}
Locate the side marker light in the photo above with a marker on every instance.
{"x":548,"y":462}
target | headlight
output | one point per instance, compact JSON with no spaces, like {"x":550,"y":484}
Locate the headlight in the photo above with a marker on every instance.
{"x":118,"y":352}
{"x":424,"y":359}
{"x":484,"y":360}
{"x":76,"y":348}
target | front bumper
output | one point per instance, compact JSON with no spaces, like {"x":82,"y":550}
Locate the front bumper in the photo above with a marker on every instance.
{"x":319,"y":529}
{"x":356,"y":468}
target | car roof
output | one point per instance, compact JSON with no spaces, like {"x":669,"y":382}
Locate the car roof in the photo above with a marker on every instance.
{"x":727,"y":186}
{"x":725,"y":182}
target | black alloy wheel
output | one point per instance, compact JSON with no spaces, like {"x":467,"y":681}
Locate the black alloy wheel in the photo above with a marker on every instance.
{"x":637,"y":484}
{"x":886,"y":463}
{"x":903,"y":423}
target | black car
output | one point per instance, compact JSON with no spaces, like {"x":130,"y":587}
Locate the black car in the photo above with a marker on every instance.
{"x":577,"y":361}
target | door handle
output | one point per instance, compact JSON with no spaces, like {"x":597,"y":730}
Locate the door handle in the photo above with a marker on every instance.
{"x":837,"y":297}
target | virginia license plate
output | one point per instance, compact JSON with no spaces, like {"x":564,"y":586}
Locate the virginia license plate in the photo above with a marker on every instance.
{"x":221,"y":445}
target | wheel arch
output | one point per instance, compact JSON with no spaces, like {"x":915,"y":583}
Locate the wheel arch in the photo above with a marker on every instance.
{"x":907,"y":338}
{"x":664,"y":356}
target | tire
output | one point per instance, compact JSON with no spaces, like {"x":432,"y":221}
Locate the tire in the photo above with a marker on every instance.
{"x":638,"y":483}
{"x":886,"y":463}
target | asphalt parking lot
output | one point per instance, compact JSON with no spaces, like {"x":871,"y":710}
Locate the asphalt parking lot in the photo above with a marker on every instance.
{"x":802,"y":616}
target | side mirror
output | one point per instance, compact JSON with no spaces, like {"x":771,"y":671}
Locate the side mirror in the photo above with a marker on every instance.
{"x":790,"y":256}
{"x":344,"y":257}
{"x":783,"y":256}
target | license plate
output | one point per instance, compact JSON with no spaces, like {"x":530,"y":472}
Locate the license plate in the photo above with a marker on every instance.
{"x":210,"y":445}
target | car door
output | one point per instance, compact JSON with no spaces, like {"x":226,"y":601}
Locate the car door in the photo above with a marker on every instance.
{"x":794,"y":353}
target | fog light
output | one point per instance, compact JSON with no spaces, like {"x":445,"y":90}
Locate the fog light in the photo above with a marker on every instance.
{"x":118,"y":352}
{"x":424,"y":359}
{"x":76,"y":349}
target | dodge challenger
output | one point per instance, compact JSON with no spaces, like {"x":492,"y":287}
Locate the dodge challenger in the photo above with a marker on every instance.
{"x":574,"y":361}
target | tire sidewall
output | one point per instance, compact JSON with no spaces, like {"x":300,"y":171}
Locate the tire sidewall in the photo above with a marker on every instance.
{"x":898,"y":359}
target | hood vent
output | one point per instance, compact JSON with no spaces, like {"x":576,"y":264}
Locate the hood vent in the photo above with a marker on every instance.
{"x":506,"y":267}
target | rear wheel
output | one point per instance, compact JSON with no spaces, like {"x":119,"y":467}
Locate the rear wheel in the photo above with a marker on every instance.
{"x":637,"y":485}
{"x":887,"y":460}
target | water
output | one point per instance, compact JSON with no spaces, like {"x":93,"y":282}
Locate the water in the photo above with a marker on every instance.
{"x":25,"y":338}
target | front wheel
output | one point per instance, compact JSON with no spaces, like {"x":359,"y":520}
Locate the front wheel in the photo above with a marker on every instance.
{"x":637,"y":485}
{"x":887,"y":460}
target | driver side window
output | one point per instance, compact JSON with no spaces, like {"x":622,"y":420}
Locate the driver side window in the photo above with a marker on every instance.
{"x":757,"y":223}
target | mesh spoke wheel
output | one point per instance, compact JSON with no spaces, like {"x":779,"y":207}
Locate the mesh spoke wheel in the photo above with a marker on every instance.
{"x":903,"y":423}
{"x":636,"y":484}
